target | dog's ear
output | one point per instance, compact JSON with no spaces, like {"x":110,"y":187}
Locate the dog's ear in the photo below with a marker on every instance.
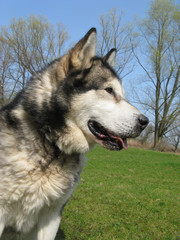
{"x":80,"y":56}
{"x":110,"y":57}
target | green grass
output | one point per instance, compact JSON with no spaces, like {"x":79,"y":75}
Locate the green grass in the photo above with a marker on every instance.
{"x":133,"y":194}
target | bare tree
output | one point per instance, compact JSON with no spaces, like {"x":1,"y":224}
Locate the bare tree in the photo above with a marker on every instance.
{"x":31,"y":44}
{"x":146,"y":135}
{"x":174,"y":135}
{"x":159,"y":57}
{"x":5,"y":62}
{"x":113,"y":34}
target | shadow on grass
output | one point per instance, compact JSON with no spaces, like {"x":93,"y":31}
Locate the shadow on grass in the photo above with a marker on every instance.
{"x":60,"y":235}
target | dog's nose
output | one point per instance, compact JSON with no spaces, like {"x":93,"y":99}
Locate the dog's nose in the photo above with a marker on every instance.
{"x":143,"y":121}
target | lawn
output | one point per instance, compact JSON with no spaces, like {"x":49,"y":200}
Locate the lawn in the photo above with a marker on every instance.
{"x":133,"y":194}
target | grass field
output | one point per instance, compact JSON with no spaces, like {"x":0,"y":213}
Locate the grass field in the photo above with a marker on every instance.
{"x":133,"y":194}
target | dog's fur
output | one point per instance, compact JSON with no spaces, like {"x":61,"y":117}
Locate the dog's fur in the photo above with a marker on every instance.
{"x":75,"y":102}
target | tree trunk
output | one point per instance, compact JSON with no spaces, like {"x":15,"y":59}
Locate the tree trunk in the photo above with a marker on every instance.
{"x":177,"y":143}
{"x":156,"y":139}
{"x":1,"y":95}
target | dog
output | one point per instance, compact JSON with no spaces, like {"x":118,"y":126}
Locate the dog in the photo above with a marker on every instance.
{"x":74,"y":103}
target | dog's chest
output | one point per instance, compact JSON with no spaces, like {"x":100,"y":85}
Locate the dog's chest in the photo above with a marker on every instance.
{"x":37,"y":190}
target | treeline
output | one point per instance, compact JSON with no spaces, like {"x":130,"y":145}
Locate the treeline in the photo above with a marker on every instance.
{"x":26,"y":46}
{"x":153,"y":43}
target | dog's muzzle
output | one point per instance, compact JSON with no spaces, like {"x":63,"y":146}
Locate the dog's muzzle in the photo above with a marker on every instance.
{"x":105,"y":138}
{"x":112,"y":141}
{"x":142,"y":122}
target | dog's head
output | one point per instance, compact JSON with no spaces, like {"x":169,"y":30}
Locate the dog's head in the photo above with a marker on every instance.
{"x":99,"y":111}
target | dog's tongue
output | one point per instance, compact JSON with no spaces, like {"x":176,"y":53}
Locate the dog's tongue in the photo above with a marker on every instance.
{"x":123,"y":141}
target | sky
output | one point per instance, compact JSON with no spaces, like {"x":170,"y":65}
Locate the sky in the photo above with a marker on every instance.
{"x":78,"y":16}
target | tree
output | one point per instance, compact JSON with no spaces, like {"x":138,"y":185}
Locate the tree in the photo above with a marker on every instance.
{"x":30,"y":44}
{"x":175,"y":134}
{"x":159,"y":57}
{"x":5,"y":62}
{"x":146,"y":135}
{"x":113,"y":34}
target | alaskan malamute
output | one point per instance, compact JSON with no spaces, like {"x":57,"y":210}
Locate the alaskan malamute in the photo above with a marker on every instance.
{"x":74,"y":103}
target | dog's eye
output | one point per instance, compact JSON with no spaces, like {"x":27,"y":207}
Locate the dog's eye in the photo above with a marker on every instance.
{"x":110,"y":91}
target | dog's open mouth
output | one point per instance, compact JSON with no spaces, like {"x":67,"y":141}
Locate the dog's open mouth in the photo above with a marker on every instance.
{"x":108,"y":140}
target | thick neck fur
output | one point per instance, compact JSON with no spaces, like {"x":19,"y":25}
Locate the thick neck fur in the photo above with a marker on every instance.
{"x":43,"y":114}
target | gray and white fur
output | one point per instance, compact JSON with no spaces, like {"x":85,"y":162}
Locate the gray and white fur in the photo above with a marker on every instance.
{"x":65,"y":109}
